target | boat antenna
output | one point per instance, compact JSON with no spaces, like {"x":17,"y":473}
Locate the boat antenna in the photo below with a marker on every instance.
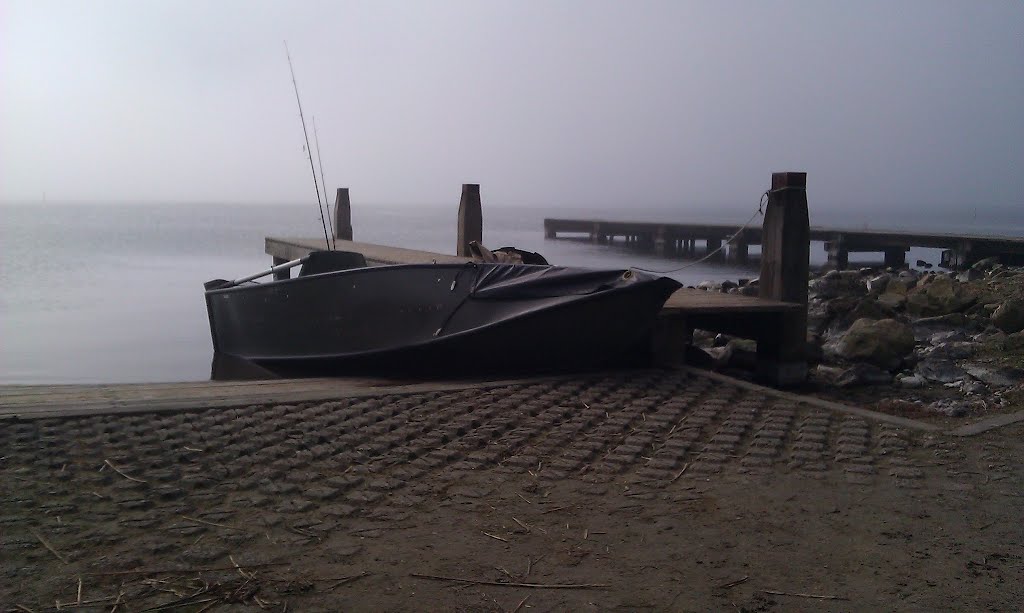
{"x":323,"y":182}
{"x":309,"y":152}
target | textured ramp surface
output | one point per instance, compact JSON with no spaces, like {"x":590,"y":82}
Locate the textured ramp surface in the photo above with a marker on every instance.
{"x":206,"y":488}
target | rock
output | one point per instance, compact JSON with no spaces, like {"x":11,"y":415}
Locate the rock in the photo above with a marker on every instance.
{"x":940,"y":371}
{"x":719,"y":356}
{"x":883,"y":343}
{"x":1014,"y":341}
{"x":910,"y":381}
{"x":709,"y":285}
{"x":953,"y":351}
{"x":838,"y":309}
{"x":952,"y":320}
{"x":985,"y":264}
{"x":971,"y":274}
{"x":972,"y":386}
{"x":1009,"y":317}
{"x":892,"y":300}
{"x":871,"y":308}
{"x":828,"y":373}
{"x":838,"y":283}
{"x":863,"y":374}
{"x":949,"y":408}
{"x":876,"y":285}
{"x":728,"y":285}
{"x":703,"y":337}
{"x":750,"y":290}
{"x":743,"y":344}
{"x":996,"y":377}
{"x":742,"y":353}
{"x":951,"y":336}
{"x":941,"y":296}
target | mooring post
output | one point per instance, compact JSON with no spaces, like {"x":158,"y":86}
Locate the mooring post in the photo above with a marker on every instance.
{"x":739,"y":249}
{"x":838,"y":253}
{"x":471,"y":221}
{"x":712,"y":245}
{"x":281,"y":275}
{"x":785,"y":263}
{"x":342,"y":215}
{"x":896,"y":257}
{"x":660,"y":240}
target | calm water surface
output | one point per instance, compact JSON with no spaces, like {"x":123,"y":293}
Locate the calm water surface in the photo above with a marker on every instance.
{"x":113,"y":293}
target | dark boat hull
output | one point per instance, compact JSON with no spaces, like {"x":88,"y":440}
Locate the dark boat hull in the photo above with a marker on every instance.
{"x":439,"y":317}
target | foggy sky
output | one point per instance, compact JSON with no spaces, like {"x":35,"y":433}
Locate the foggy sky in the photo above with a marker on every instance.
{"x":550,"y":103}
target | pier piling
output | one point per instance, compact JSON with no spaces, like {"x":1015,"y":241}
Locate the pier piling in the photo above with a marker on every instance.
{"x":785,"y":264}
{"x":471,"y":222}
{"x":342,"y":215}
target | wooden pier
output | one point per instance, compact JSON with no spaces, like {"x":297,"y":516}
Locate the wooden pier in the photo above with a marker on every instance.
{"x":681,"y":238}
{"x":776,"y":319}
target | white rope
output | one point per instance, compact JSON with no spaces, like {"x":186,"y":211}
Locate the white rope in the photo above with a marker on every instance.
{"x":759,"y":211}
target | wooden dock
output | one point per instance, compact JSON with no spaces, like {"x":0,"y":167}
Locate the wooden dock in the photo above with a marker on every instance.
{"x":42,"y":401}
{"x":681,"y":238}
{"x":776,"y":320}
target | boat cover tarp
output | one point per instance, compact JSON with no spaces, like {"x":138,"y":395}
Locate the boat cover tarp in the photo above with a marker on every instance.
{"x":531,"y":282}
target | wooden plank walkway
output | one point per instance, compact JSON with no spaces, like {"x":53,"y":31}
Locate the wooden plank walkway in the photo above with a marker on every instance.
{"x":40,"y":401}
{"x":665,"y":237}
{"x":294,"y":248}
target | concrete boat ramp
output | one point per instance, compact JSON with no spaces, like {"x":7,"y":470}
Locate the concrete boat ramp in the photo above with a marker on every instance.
{"x":621,"y":490}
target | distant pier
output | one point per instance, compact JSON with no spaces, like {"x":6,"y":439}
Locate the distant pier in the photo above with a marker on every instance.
{"x":959,"y":250}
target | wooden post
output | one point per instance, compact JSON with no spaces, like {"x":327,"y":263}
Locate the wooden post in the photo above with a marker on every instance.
{"x":712,"y":244}
{"x":838,"y":252}
{"x":471,"y":221}
{"x":739,"y":250}
{"x":659,"y":240}
{"x":785,"y":263}
{"x":896,"y":257}
{"x":342,"y":215}
{"x":281,"y":275}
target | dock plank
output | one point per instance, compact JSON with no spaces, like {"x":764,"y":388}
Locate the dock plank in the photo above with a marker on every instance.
{"x":293,"y":248}
{"x":41,"y":401}
{"x":688,"y":300}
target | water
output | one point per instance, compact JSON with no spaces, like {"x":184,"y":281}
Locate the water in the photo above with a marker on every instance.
{"x":113,"y":293}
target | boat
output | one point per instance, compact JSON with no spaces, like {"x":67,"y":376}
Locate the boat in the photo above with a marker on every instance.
{"x":341,"y":316}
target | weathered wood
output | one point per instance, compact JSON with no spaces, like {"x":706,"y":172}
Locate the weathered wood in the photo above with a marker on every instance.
{"x":962,"y":250}
{"x":692,"y":301}
{"x":672,"y":334}
{"x":342,"y":215}
{"x":896,"y":257}
{"x":293,"y":248}
{"x":40,"y":401}
{"x":471,"y":223}
{"x":785,"y":264}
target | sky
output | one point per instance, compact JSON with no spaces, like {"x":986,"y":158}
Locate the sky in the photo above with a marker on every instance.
{"x":910,"y":104}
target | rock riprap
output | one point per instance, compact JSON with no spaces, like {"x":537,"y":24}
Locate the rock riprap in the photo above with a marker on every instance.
{"x":883,"y":342}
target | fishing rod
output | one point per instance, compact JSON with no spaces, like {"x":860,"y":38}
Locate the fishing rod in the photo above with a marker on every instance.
{"x":323,"y":182}
{"x":309,"y":152}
